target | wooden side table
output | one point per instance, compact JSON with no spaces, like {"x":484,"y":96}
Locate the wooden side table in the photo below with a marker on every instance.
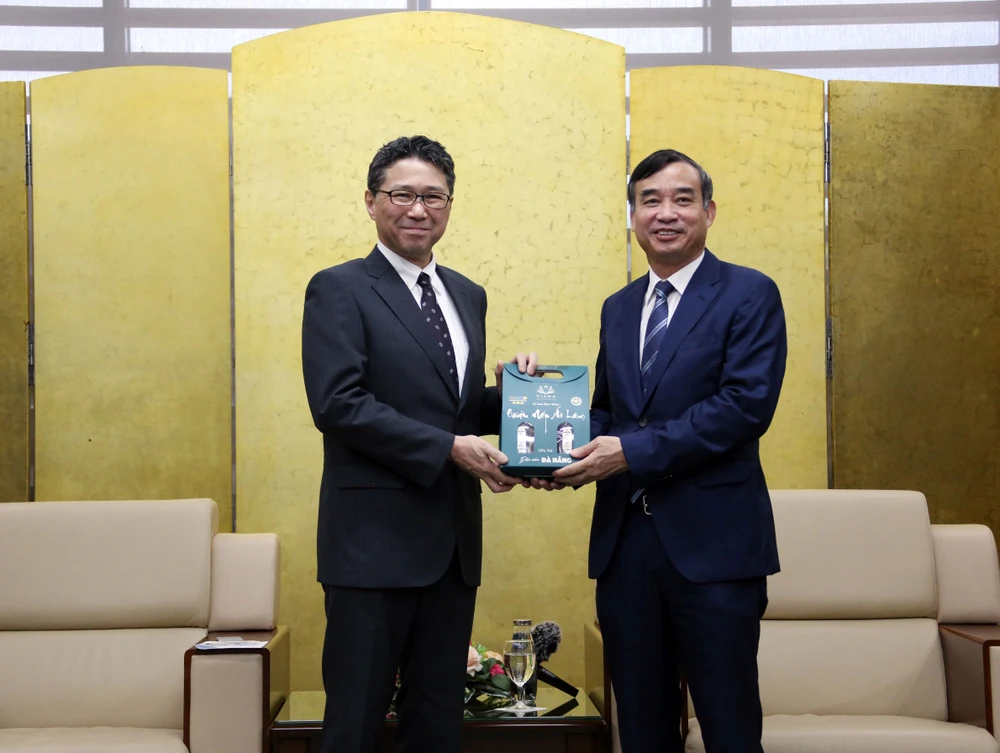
{"x":568,"y":725}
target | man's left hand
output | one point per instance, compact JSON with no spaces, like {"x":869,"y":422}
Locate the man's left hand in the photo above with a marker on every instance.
{"x":526,"y":363}
{"x":599,"y":458}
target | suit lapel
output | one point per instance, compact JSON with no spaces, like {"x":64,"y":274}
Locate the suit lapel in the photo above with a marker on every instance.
{"x":391,"y":289}
{"x":462,"y":297}
{"x":698,"y":295}
{"x":623,"y":339}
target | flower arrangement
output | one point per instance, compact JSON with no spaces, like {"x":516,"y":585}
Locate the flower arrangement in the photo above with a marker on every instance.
{"x":486,"y":684}
{"x":486,"y":675}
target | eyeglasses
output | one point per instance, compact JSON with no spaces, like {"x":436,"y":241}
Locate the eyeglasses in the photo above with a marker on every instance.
{"x":408,"y":198}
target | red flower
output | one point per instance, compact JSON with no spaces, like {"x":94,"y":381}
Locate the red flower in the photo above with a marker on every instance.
{"x":496,"y":669}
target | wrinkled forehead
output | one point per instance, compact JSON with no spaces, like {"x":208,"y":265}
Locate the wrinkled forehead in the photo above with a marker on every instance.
{"x":675,"y":177}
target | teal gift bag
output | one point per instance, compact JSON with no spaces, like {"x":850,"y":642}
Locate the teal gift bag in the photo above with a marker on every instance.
{"x":543,"y":417}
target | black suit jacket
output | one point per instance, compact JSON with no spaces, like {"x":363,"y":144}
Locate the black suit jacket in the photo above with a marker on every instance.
{"x":392,"y":506}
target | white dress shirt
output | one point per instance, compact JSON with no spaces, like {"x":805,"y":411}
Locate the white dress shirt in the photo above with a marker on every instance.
{"x":409,"y":272}
{"x":679,"y":280}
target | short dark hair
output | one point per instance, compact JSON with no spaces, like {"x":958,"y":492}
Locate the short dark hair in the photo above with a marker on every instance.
{"x":659,"y":160}
{"x":422,"y":148}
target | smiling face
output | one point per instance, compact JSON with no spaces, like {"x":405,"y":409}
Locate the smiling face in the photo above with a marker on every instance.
{"x":409,"y":231}
{"x":669,"y":218}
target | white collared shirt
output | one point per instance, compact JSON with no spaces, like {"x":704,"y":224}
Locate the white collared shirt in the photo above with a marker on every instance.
{"x":409,"y":272}
{"x":679,"y":280}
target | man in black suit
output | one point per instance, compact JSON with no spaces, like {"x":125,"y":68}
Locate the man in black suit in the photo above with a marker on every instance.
{"x":393,"y":354}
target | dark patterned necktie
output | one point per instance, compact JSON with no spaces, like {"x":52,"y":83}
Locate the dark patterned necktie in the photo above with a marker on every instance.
{"x":435,"y":321}
{"x":656,"y":329}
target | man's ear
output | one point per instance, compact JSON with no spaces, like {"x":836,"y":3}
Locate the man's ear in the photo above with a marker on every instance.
{"x":710,"y":211}
{"x":370,"y":204}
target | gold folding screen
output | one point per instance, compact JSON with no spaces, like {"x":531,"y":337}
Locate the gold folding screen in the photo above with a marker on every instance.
{"x":13,"y":297}
{"x":132,"y":268}
{"x":535,"y":120}
{"x":132,"y":285}
{"x":759,"y":134}
{"x":914,"y":286}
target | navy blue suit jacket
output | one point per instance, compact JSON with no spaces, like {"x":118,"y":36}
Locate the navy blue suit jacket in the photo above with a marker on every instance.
{"x":693,"y":442}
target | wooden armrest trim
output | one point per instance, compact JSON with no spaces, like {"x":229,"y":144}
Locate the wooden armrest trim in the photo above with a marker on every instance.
{"x":987,"y":636}
{"x":976,"y":633}
{"x":277,"y":640}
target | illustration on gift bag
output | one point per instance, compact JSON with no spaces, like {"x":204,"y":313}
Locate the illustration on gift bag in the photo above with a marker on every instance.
{"x":543,"y":417}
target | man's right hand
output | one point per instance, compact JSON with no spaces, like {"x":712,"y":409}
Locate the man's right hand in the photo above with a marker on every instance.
{"x":477,"y":456}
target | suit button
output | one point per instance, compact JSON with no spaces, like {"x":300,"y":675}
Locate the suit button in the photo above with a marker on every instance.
{"x":643,"y":421}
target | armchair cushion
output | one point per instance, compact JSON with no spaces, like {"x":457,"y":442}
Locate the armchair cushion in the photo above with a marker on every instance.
{"x":864,"y":667}
{"x":863,"y":734}
{"x":94,"y":678}
{"x":91,"y":740}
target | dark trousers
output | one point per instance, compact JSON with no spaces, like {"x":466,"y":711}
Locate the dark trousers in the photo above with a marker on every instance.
{"x":422,"y":632}
{"x":656,"y":623}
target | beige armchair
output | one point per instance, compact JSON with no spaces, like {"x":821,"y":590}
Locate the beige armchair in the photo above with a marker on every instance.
{"x":881,"y":631}
{"x":101,"y":604}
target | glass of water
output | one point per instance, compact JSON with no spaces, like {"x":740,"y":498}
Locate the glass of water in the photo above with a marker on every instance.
{"x":519,"y":663}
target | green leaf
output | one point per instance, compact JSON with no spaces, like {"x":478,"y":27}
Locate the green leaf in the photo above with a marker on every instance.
{"x":494,"y":692}
{"x":502,"y":682}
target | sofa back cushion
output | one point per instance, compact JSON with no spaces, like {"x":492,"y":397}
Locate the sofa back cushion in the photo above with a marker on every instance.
{"x":852,"y":554}
{"x":93,"y":565}
{"x":94,"y":678}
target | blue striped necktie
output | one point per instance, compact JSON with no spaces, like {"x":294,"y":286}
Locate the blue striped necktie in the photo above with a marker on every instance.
{"x":656,"y":329}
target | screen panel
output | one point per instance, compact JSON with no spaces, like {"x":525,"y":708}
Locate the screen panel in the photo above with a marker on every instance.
{"x":535,"y":120}
{"x":14,"y":396}
{"x":132,"y":285}
{"x":914,"y":285}
{"x":759,"y":135}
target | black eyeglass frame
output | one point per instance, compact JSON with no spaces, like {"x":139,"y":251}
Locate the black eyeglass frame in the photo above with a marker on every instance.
{"x":422,"y":197}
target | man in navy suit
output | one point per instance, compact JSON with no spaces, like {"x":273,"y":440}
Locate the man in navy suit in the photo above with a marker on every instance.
{"x":691,"y":362}
{"x":393,"y":357}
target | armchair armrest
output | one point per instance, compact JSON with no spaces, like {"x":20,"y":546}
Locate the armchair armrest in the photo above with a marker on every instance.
{"x":231,"y":696}
{"x":973,"y":683}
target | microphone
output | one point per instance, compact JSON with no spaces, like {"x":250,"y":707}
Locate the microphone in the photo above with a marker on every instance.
{"x":547,"y":636}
